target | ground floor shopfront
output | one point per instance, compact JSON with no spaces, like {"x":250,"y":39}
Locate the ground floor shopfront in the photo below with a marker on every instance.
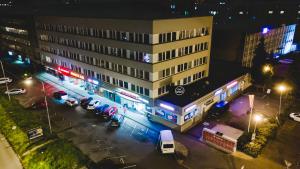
{"x":184,"y":117}
{"x":130,"y":101}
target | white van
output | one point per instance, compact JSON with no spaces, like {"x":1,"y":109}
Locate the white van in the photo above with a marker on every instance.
{"x":166,"y":142}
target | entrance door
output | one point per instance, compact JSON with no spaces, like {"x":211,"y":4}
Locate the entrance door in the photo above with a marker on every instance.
{"x":223,"y":96}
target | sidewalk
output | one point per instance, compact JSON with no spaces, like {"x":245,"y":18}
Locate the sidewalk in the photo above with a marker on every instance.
{"x":8,"y":158}
{"x":79,"y":92}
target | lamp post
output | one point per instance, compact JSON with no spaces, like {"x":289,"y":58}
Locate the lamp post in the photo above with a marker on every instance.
{"x":257,"y":118}
{"x":281,"y":89}
{"x":28,"y":81}
{"x":6,"y":81}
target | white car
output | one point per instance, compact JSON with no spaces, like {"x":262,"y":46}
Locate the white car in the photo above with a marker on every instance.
{"x":93,"y":104}
{"x":16,"y":91}
{"x":5,"y":79}
{"x":72,"y":101}
{"x":295,"y":116}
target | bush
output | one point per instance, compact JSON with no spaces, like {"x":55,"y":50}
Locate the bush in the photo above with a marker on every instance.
{"x":252,"y":148}
{"x":263,"y":133}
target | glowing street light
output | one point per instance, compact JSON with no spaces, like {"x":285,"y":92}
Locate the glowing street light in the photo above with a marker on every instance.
{"x":257,"y":118}
{"x":281,"y":88}
{"x":28,"y":82}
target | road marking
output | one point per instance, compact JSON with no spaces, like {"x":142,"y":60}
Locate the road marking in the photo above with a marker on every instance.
{"x":133,"y":130}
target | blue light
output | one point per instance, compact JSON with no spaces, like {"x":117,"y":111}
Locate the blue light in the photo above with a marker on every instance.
{"x":221,"y":104}
{"x":265,"y":30}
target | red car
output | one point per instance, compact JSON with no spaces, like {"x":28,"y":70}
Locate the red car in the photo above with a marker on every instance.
{"x":110,"y":112}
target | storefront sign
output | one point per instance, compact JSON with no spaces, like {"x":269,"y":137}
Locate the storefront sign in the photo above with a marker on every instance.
{"x":190,"y":108}
{"x":79,"y":76}
{"x":231,"y":84}
{"x":166,"y":107}
{"x":179,"y":90}
{"x":218,"y":92}
{"x":129,"y":94}
{"x":218,"y":140}
{"x":95,"y":82}
{"x":64,"y":71}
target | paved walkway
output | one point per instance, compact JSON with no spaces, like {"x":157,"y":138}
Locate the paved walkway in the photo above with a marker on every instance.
{"x":8,"y":158}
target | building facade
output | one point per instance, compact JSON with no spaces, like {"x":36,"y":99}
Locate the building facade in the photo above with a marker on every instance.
{"x":177,"y":113}
{"x":277,"y":41}
{"x":131,"y":62}
{"x":18,"y":38}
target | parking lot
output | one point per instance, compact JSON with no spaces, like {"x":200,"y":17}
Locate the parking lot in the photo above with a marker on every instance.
{"x":132,"y":144}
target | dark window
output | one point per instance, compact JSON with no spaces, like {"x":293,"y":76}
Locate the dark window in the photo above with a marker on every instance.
{"x":147,"y":75}
{"x":133,"y":87}
{"x":146,"y":38}
{"x":173,"y":53}
{"x":160,"y":38}
{"x":126,"y":85}
{"x":169,"y":37}
{"x":146,"y":92}
{"x":120,"y":83}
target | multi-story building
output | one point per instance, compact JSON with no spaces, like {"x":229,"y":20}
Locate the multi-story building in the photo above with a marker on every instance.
{"x":131,"y":62}
{"x":277,"y":41}
{"x":18,"y":37}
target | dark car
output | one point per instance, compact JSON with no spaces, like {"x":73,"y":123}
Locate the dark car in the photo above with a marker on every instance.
{"x":218,"y":109}
{"x":116,"y":120}
{"x":101,"y":109}
{"x":109,"y":113}
{"x":85,"y":101}
{"x":60,"y":95}
{"x":40,"y":104}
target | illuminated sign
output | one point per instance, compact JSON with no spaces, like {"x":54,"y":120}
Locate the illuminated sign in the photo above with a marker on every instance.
{"x":265,"y":30}
{"x":62,"y":70}
{"x":231,"y":84}
{"x":144,"y":100}
{"x":166,"y":107}
{"x":77,"y":75}
{"x":128,"y":94}
{"x":218,"y":92}
{"x":190,"y":108}
{"x":93,"y":81}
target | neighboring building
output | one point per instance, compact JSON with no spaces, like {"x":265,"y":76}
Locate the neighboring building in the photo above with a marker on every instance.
{"x":190,"y":106}
{"x":131,"y":62}
{"x":277,"y":41}
{"x":18,"y":37}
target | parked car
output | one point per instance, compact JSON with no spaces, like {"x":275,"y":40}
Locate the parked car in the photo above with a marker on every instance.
{"x":85,"y":101}
{"x":39,"y":104}
{"x":116,"y":120}
{"x":60,"y":95}
{"x":218,"y":109}
{"x":15,"y":91}
{"x":3,"y":80}
{"x":109,"y":113}
{"x":93,"y":104}
{"x":295,"y":116}
{"x":72,"y":101}
{"x":101,"y":109}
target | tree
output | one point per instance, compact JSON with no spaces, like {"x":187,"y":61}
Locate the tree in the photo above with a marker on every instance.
{"x":259,"y":59}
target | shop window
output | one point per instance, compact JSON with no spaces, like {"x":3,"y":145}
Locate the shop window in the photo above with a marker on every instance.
{"x":121,"y":83}
{"x":141,"y":90}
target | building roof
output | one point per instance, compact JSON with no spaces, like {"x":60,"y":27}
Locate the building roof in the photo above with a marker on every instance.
{"x":228,"y":131}
{"x":220,"y":74}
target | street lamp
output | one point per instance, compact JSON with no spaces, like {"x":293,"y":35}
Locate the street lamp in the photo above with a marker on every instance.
{"x":257,"y":118}
{"x":5,"y":81}
{"x":281,"y":88}
{"x":267,"y":68}
{"x":28,"y":82}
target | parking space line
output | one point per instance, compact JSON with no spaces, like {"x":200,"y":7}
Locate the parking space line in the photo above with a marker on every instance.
{"x":133,"y":130}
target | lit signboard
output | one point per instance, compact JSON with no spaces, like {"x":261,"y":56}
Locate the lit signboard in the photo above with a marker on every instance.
{"x":190,"y":108}
{"x":231,"y":84}
{"x":218,"y":92}
{"x":96,"y":82}
{"x":77,"y":75}
{"x":166,"y":107}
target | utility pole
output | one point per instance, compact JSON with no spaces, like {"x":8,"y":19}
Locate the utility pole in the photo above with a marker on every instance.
{"x":47,"y":109}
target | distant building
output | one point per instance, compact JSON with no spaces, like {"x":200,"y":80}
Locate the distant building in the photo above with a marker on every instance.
{"x":18,"y":37}
{"x":277,"y":41}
